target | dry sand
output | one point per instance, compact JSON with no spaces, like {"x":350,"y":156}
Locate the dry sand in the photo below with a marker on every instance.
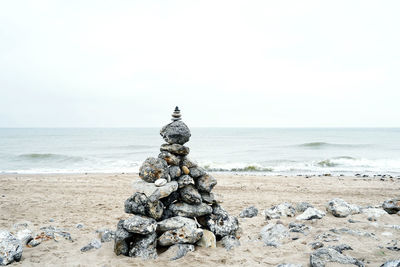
{"x":96,"y":200}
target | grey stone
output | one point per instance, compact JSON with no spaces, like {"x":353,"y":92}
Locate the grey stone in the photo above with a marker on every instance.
{"x":273,"y":234}
{"x":391,"y":263}
{"x":173,"y":197}
{"x":188,"y":210}
{"x":221,"y":223}
{"x":249,"y":212}
{"x":208,"y":240}
{"x":289,"y":265}
{"x":174,"y":223}
{"x":353,"y":232}
{"x":185,"y":180}
{"x":175,"y":172}
{"x":33,"y":243}
{"x":140,"y":225}
{"x":322,"y":256}
{"x":340,"y":208}
{"x":175,"y":149}
{"x":10,"y":248}
{"x":170,"y":158}
{"x":153,"y":169}
{"x":342,"y":247}
{"x":229,"y":242}
{"x":122,"y":240}
{"x":175,"y":132}
{"x":79,"y":225}
{"x":206,"y":183}
{"x":298,"y":228}
{"x":144,"y":247}
{"x":197,"y":172}
{"x":190,"y":195}
{"x":105,"y":235}
{"x":150,"y":189}
{"x":94,"y":244}
{"x":373,"y":212}
{"x":50,"y":232}
{"x":181,"y":235}
{"x":178,"y":251}
{"x":282,"y":210}
{"x":24,"y":235}
{"x":139,"y":204}
{"x":186,"y":161}
{"x":391,"y":206}
{"x":311,"y":213}
{"x":209,"y":198}
{"x":317,"y":245}
{"x":160,"y":182}
{"x":302,"y":206}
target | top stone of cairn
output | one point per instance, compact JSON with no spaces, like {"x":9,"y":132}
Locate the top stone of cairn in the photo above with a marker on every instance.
{"x":177,"y":131}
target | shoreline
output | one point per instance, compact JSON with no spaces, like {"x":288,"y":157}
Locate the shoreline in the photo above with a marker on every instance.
{"x":96,"y":201}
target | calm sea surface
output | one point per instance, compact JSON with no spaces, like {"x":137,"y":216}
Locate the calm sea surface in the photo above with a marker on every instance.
{"x":254,"y":150}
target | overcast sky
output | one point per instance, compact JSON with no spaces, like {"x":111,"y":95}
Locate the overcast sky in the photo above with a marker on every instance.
{"x":225,"y":63}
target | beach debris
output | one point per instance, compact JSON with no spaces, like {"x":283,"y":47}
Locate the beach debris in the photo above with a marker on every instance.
{"x":249,"y":212}
{"x":391,"y":263}
{"x":173,"y":204}
{"x":322,"y":256}
{"x":373,"y":212}
{"x":282,"y":210}
{"x":24,"y":235}
{"x":79,"y":225}
{"x":391,"y":206}
{"x":273,"y":234}
{"x":340,"y":248}
{"x":94,"y":244}
{"x":353,"y":232}
{"x":11,"y":248}
{"x":316,"y":245}
{"x":302,"y":206}
{"x":229,"y":242}
{"x":340,"y":208}
{"x":178,"y":251}
{"x":299,"y":228}
{"x":311,"y":213}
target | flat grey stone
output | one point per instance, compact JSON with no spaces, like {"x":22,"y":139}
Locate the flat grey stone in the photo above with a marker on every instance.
{"x":189,"y":194}
{"x":302,"y":206}
{"x":174,"y":223}
{"x":197,"y":172}
{"x":282,"y":210}
{"x":178,"y":251}
{"x":94,"y":244}
{"x":230,"y":242}
{"x":391,"y":263}
{"x":175,"y":149}
{"x":150,"y":189}
{"x":184,"y":235}
{"x":206,"y":183}
{"x":273,"y":234}
{"x":10,"y":248}
{"x":340,"y":208}
{"x":391,"y":206}
{"x":311,"y":213}
{"x":170,"y":158}
{"x":322,"y":256}
{"x":184,"y":180}
{"x":188,"y":210}
{"x":140,"y":225}
{"x":249,"y":212}
{"x":144,"y":247}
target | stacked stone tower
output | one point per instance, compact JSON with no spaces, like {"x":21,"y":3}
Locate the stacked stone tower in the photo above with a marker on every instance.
{"x":172,"y":204}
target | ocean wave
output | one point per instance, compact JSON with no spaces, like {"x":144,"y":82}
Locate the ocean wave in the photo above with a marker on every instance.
{"x":49,"y":157}
{"x":316,"y":145}
{"x":250,"y":168}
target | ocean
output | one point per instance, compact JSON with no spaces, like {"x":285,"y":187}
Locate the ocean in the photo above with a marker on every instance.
{"x":267,"y":151}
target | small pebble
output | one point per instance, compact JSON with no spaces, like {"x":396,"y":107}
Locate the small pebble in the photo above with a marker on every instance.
{"x":160,"y":182}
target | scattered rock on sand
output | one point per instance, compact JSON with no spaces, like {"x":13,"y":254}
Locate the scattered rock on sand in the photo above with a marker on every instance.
{"x":79,"y":225}
{"x":284,"y":209}
{"x":10,"y":248}
{"x":229,"y":242}
{"x":24,"y":235}
{"x":311,"y":213}
{"x":298,"y":227}
{"x":105,"y":235}
{"x":316,"y":245}
{"x":373,"y":212}
{"x":94,"y":244}
{"x":273,"y":234}
{"x":178,"y":251}
{"x":289,"y":265}
{"x":392,"y":206}
{"x":391,"y":263}
{"x":249,"y":212}
{"x":322,"y":256}
{"x":302,"y":206}
{"x":340,"y":208}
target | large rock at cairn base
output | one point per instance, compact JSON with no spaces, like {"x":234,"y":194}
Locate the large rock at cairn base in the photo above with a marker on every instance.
{"x":174,"y":223}
{"x":221,"y":223}
{"x":176,"y":132}
{"x":153,"y":169}
{"x":140,"y":225}
{"x":184,"y":235}
{"x":151,"y":190}
{"x":187,"y":210}
{"x":144,"y":247}
{"x":392,"y":206}
{"x":10,"y":248}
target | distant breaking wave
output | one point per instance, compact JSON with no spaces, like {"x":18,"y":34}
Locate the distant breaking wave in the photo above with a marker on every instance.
{"x":324,"y":144}
{"x":250,"y":168}
{"x":49,"y":157}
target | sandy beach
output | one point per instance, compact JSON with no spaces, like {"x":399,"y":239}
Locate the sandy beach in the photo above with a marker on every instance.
{"x":96,"y":201}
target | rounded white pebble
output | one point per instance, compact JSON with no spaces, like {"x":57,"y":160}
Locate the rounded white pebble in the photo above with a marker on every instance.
{"x":160,"y":182}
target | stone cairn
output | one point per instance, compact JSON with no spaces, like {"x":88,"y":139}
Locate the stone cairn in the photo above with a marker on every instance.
{"x":173,"y":207}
